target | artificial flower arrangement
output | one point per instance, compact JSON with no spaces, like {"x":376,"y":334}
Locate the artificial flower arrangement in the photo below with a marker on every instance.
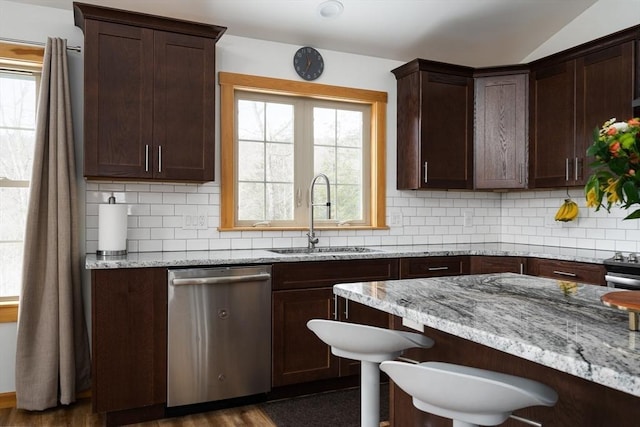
{"x":616,"y":176}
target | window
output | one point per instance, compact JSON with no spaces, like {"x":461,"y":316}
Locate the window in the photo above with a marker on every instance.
{"x":19,"y":78}
{"x":277,"y":135}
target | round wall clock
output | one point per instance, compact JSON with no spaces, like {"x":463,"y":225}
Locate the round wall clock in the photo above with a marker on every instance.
{"x":308,"y":63}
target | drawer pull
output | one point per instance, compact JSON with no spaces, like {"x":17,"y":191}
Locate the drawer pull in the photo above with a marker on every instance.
{"x":564,"y":273}
{"x":437,"y":268}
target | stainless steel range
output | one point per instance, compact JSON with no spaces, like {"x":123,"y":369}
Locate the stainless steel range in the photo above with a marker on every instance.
{"x":623,"y":271}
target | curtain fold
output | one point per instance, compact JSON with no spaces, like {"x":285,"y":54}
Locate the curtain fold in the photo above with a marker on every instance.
{"x":52,"y":358}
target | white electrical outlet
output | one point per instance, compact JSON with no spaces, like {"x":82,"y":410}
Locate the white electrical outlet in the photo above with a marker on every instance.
{"x":201,"y":220}
{"x":190,"y":218}
{"x":396,"y":219}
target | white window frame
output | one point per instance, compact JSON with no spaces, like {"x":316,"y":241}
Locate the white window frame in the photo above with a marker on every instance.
{"x":375,"y":163}
{"x":22,"y":59}
{"x":303,"y":159}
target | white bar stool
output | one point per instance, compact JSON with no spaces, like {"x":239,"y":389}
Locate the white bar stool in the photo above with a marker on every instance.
{"x":469,"y":396}
{"x":370,"y":345}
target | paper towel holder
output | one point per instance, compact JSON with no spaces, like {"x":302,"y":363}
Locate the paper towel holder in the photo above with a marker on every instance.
{"x":111,"y":254}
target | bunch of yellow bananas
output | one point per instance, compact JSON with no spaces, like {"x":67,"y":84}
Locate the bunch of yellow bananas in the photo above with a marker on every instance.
{"x":568,"y":211}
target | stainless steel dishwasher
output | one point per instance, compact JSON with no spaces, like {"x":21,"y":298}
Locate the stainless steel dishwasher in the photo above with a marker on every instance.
{"x":219,"y":333}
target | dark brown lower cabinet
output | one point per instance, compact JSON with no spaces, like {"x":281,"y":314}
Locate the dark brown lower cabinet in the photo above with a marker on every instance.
{"x":303,"y":291}
{"x":498,"y":264}
{"x":433,"y":266}
{"x":129,"y":341}
{"x":580,"y":403}
{"x":581,"y":272}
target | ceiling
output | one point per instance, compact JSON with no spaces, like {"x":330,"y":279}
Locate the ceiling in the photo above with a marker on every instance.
{"x":466,"y":32}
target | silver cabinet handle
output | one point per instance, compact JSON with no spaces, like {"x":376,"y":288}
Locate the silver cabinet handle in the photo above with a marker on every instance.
{"x":261,"y":277}
{"x":521,"y":166}
{"x":566,"y":169}
{"x":521,"y":268}
{"x":159,"y":158}
{"x":335,"y":307}
{"x":437,"y":268}
{"x":576,"y":168}
{"x":346,"y":309}
{"x":564,"y":273}
{"x":426,"y":168}
{"x":146,"y":158}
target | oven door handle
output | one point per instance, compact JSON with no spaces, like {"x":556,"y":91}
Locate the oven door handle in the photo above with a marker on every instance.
{"x":623,"y":280}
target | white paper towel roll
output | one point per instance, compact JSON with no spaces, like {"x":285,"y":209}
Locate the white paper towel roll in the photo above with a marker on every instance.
{"x":112,"y":228}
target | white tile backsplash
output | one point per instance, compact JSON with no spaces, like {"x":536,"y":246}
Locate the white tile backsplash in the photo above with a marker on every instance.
{"x":427,"y":217}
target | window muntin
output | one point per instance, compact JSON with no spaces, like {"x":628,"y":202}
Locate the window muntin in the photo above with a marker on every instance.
{"x":282,"y":142}
{"x":18,"y":93}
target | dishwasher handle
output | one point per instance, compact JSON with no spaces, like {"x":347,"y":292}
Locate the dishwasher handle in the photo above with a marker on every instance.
{"x":260,"y":277}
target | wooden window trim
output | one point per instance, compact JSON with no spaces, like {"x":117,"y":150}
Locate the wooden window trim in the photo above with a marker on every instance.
{"x":230,"y":82}
{"x":9,"y":311}
{"x":21,"y":57}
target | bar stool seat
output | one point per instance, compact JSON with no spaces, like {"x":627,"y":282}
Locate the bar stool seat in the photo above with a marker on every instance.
{"x":370,"y":345}
{"x":468,"y":396}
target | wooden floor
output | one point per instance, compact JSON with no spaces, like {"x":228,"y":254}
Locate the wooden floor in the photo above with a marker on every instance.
{"x":80,"y":414}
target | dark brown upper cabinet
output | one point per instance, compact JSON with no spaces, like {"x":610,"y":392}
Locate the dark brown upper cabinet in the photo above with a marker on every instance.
{"x":435,"y":126}
{"x":573,"y":93}
{"x":500,"y":135}
{"x":149,"y":96}
{"x":569,"y":94}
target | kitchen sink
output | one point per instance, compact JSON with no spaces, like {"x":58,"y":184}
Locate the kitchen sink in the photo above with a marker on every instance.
{"x":328,"y":250}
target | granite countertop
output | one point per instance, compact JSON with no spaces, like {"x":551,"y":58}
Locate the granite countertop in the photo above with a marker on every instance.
{"x":265,"y":256}
{"x":526,"y":316}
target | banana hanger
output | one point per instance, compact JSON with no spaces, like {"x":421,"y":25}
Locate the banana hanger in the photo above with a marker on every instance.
{"x":568,"y":211}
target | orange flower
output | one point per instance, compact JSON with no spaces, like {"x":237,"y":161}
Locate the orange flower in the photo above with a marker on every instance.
{"x":612,"y":130}
{"x":614,"y":148}
{"x":634,"y":122}
{"x":631,"y":172}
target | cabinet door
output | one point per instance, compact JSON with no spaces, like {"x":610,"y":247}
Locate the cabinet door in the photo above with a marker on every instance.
{"x":605,"y":90}
{"x":303,"y":291}
{"x":298,"y":355}
{"x":446,"y":131}
{"x":552,"y":126}
{"x":497,"y":264}
{"x":350,"y":311}
{"x":129,"y":338}
{"x":184,"y":107}
{"x":501,"y":132}
{"x":567,"y":270}
{"x":413,"y":268}
{"x":118,"y":91}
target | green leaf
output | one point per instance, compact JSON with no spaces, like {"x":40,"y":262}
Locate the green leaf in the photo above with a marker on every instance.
{"x":630,"y":193}
{"x":634,"y":215}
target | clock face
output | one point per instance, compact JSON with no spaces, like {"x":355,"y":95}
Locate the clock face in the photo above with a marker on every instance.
{"x":308,"y":63}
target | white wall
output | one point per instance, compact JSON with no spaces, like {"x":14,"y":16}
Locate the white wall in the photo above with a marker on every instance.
{"x":427,"y":217}
{"x":602,"y":18}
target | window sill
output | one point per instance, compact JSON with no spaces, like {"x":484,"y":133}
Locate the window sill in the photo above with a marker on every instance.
{"x":8,"y":311}
{"x":319,"y":228}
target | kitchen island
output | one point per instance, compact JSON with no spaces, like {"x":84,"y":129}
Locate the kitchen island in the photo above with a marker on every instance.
{"x":557,"y":332}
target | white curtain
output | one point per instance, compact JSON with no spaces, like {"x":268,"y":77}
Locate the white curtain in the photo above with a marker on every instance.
{"x":52,"y":359}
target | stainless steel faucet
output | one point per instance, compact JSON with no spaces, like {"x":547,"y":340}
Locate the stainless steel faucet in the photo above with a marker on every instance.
{"x":312,"y":234}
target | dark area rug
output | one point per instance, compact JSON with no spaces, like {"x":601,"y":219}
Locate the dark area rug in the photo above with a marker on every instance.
{"x":335,"y":408}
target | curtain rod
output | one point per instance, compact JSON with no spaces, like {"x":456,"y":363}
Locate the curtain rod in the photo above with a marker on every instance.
{"x":27,"y":42}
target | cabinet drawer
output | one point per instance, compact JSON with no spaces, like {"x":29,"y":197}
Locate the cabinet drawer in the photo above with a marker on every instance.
{"x":498,"y":264}
{"x":567,"y":270}
{"x":433,"y":266}
{"x":316,"y":274}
